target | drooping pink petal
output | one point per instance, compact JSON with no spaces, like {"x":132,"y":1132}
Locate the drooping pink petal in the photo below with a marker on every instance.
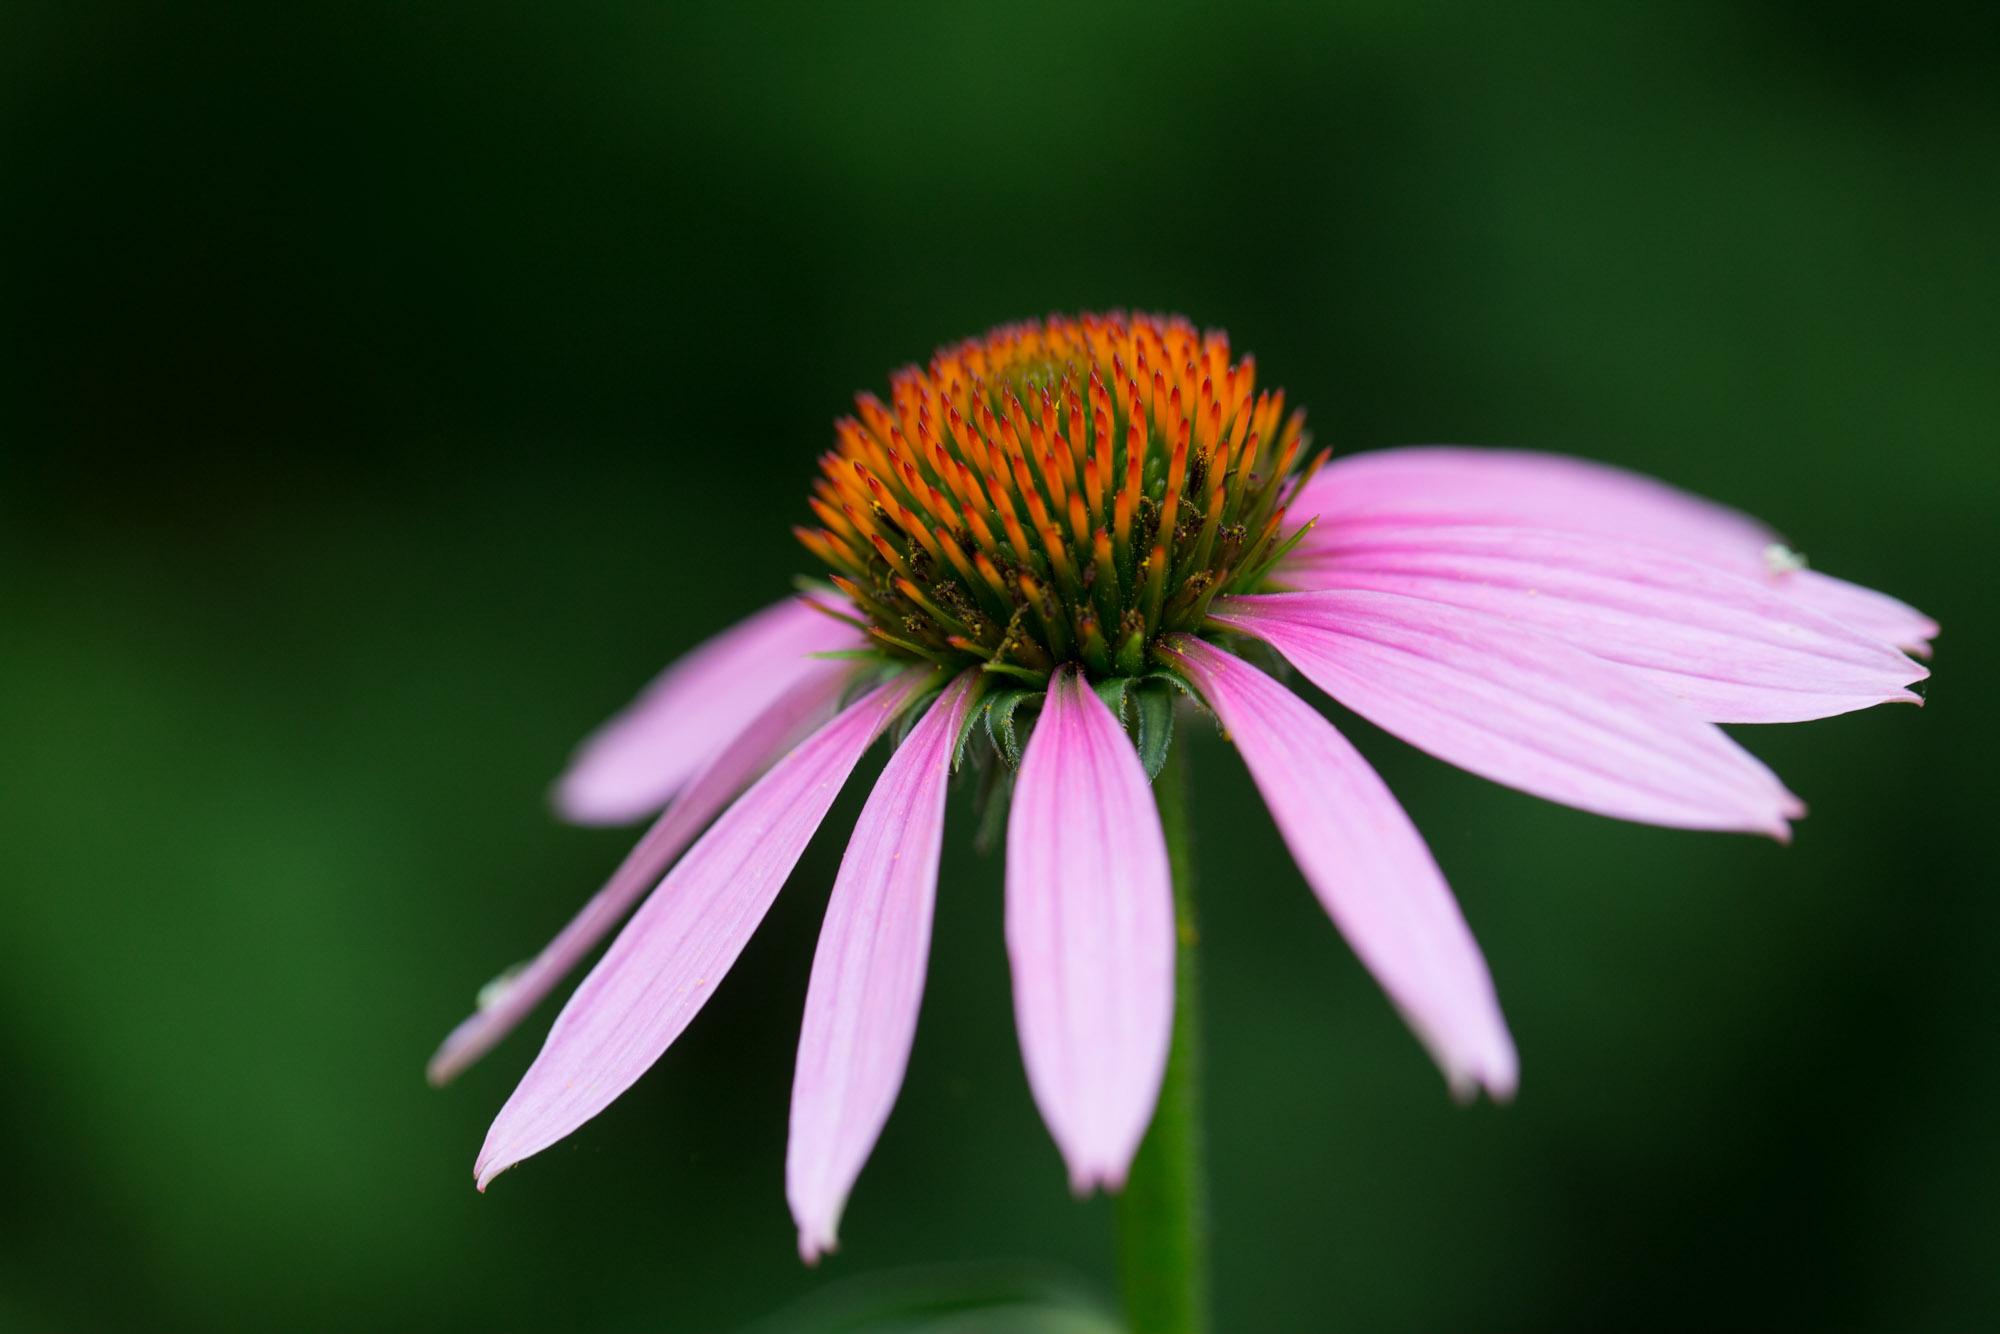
{"x":808,"y":703}
{"x":1735,"y":650}
{"x":1519,"y":707}
{"x":667,"y":961}
{"x":1457,"y":484}
{"x":633,"y":764}
{"x":868,"y":975}
{"x":1090,"y":933}
{"x":1368,"y":865}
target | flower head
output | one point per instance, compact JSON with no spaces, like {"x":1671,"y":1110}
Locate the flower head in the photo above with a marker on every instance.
{"x":1056,"y":492}
{"x":1055,"y":531}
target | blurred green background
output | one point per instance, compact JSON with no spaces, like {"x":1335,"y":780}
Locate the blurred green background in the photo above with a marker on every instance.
{"x":387,"y":391}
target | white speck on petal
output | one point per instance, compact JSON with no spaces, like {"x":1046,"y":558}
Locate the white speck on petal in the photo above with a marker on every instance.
{"x":1781,"y":559}
{"x":496,"y":991}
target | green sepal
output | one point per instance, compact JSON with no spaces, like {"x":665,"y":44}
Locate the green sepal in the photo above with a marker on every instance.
{"x":1154,"y":697}
{"x":999,"y":714}
{"x":1111,"y":690}
{"x":852,"y":655}
{"x":992,"y":799}
{"x":1167,"y":676}
{"x":975,"y":709}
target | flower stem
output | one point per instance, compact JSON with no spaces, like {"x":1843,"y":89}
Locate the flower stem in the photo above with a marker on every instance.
{"x":1163,"y":1213}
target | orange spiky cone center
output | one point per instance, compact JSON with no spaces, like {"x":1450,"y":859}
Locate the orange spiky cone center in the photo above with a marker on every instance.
{"x":1062,"y":491}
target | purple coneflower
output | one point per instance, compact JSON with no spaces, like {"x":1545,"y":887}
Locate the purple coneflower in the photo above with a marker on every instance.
{"x":1042,"y":541}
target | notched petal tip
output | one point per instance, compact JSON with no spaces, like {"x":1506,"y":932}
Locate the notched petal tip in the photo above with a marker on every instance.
{"x":1498,"y":1073}
{"x":815,"y":1243}
{"x":1502,"y":1079}
{"x":1779,"y":828}
{"x":490,"y":1165}
{"x":1466,"y":1088}
{"x":1085,"y":1181}
{"x":1490,"y":1065}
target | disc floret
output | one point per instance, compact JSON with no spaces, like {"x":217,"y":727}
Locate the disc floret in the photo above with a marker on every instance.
{"x":1058,"y":491}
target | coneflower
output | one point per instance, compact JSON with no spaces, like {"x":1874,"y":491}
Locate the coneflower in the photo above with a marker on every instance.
{"x":1037,"y":546}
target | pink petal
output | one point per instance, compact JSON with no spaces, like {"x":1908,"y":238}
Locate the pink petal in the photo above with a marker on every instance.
{"x":664,"y":965}
{"x":808,"y":703}
{"x":1367,"y":863}
{"x":1456,"y":484}
{"x":1090,"y":933}
{"x":1866,"y":610}
{"x":868,"y":975}
{"x":1735,"y":650}
{"x":634,"y":763}
{"x":1520,"y":489}
{"x":1518,"y":707}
